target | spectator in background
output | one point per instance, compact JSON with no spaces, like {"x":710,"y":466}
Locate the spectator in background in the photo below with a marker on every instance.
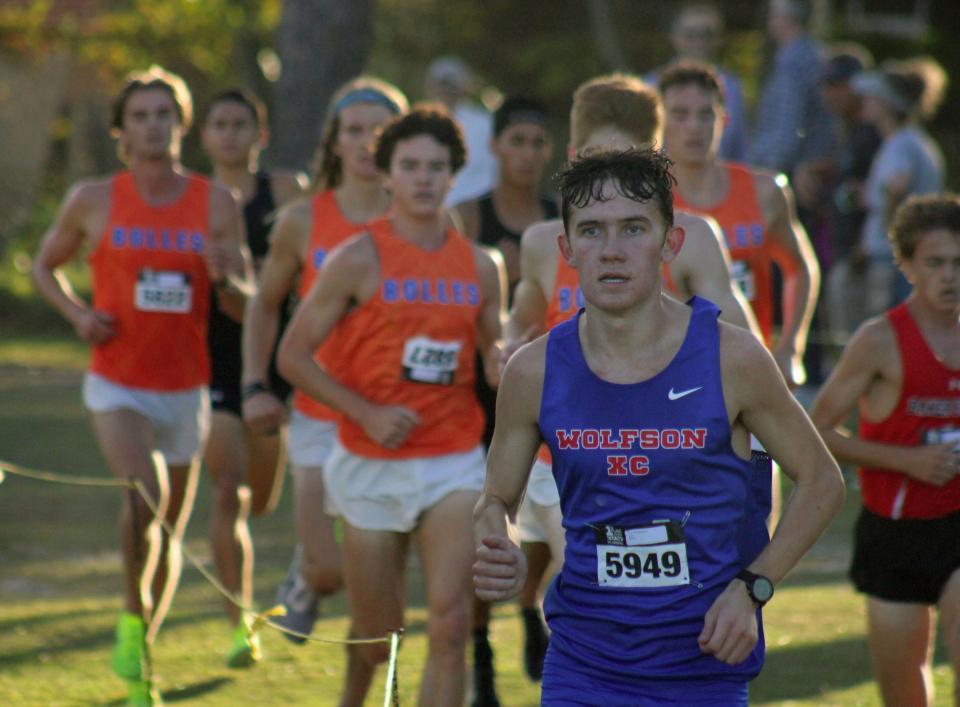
{"x":449,"y":81}
{"x":697,"y":33}
{"x":843,"y":196}
{"x":896,"y":100}
{"x":792,"y":125}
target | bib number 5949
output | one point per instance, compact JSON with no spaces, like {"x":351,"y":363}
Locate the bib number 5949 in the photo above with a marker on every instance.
{"x":651,"y":566}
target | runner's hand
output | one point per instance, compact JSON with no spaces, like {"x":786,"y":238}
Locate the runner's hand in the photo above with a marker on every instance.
{"x":791,"y":366}
{"x":934,"y":464}
{"x":500,"y":570}
{"x":264,"y":413}
{"x":730,"y":626}
{"x":389,"y":425}
{"x":95,"y":327}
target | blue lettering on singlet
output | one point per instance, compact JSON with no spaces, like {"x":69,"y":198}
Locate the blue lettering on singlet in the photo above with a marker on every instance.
{"x":319,"y":255}
{"x":756,"y":230}
{"x":430,"y":291}
{"x":566,"y":300}
{"x":745,"y":235}
{"x":629,"y":456}
{"x":143,"y":238}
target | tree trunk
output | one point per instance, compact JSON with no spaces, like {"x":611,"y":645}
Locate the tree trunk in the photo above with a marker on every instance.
{"x":321,"y":44}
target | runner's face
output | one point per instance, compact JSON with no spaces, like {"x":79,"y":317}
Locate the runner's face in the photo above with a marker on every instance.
{"x":151,"y":127}
{"x":617,"y":247}
{"x":934,"y":270}
{"x":231,"y":136}
{"x":694,"y":120}
{"x":419,"y":176}
{"x":359,"y":123}
{"x":522,"y":150}
{"x":696,"y":35}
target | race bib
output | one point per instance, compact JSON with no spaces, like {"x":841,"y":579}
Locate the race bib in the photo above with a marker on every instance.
{"x":742,"y":275}
{"x":429,"y":361}
{"x":939,"y":435}
{"x":163,"y":291}
{"x":642,"y":558}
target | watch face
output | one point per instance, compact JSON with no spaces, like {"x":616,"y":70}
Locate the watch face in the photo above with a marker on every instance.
{"x":762,"y":589}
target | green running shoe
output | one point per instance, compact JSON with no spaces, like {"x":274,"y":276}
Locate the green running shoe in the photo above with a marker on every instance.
{"x":142,"y":693}
{"x":245,"y":649}
{"x":128,"y":651}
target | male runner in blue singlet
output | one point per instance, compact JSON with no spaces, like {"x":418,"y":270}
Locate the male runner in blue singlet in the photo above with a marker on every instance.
{"x":647,"y":406}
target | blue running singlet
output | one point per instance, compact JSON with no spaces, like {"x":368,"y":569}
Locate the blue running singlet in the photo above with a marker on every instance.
{"x":656,"y":509}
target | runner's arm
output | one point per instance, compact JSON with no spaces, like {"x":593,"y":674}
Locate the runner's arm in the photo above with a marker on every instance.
{"x":760,"y":400}
{"x":528,"y":313}
{"x":769,"y":411}
{"x":793,"y":253}
{"x":500,"y":568}
{"x":489,"y":321}
{"x":860,"y":366}
{"x":62,"y":242}
{"x":228,"y":258}
{"x":287,"y":186}
{"x":705,"y":265}
{"x":278,"y":275}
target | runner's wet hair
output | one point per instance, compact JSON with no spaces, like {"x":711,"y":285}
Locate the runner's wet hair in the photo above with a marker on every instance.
{"x":640,"y":174}
{"x":156,"y":77}
{"x":328,"y":167}
{"x":425,"y":119}
{"x":244,"y":98}
{"x":919,"y":215}
{"x":620,"y":101}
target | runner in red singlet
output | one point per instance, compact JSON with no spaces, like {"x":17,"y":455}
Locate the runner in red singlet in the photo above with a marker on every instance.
{"x":409,"y":301}
{"x":350,"y":193}
{"x":159,"y":236}
{"x":902,"y":370}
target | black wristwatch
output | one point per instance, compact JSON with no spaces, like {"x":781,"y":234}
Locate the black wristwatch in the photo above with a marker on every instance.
{"x":254,"y":388}
{"x":759,"y":587}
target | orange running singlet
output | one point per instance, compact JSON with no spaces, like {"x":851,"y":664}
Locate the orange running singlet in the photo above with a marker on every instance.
{"x":328,"y":229}
{"x":741,"y":218}
{"x":413,"y":344}
{"x":150,"y":274}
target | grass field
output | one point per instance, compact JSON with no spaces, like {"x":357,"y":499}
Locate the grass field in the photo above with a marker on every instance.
{"x":60,"y":578}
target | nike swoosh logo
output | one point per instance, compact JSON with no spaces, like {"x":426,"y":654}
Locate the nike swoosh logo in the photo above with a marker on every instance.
{"x":682,"y":393}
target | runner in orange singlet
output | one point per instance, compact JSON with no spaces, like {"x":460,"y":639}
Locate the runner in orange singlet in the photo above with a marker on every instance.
{"x":902,"y":371}
{"x":411,"y":301}
{"x":160,"y":236}
{"x":754,"y":208}
{"x":246,"y":470}
{"x":350,"y":193}
{"x":616,"y":111}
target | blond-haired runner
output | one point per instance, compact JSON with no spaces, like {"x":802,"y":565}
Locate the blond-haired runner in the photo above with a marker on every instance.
{"x":349,"y":193}
{"x":246,"y":469}
{"x":159,"y":237}
{"x":409,"y":301}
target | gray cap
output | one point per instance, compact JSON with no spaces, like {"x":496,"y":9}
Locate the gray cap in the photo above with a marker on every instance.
{"x":450,"y":70}
{"x":876,"y":84}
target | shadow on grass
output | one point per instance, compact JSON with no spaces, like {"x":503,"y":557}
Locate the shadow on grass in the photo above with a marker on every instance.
{"x":807,"y":671}
{"x":67,"y":641}
{"x":183,"y":693}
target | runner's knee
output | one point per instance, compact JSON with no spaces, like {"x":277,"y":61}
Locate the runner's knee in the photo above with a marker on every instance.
{"x":448,"y":625}
{"x":324,"y":576}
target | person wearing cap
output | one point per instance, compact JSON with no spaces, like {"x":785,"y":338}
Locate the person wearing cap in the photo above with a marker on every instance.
{"x":450,"y":81}
{"x":843,"y":202}
{"x":522,"y":146}
{"x":696,"y":33}
{"x":896,"y":99}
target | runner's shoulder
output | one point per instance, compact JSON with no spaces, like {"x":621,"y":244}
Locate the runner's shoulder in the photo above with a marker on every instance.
{"x":541,"y":236}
